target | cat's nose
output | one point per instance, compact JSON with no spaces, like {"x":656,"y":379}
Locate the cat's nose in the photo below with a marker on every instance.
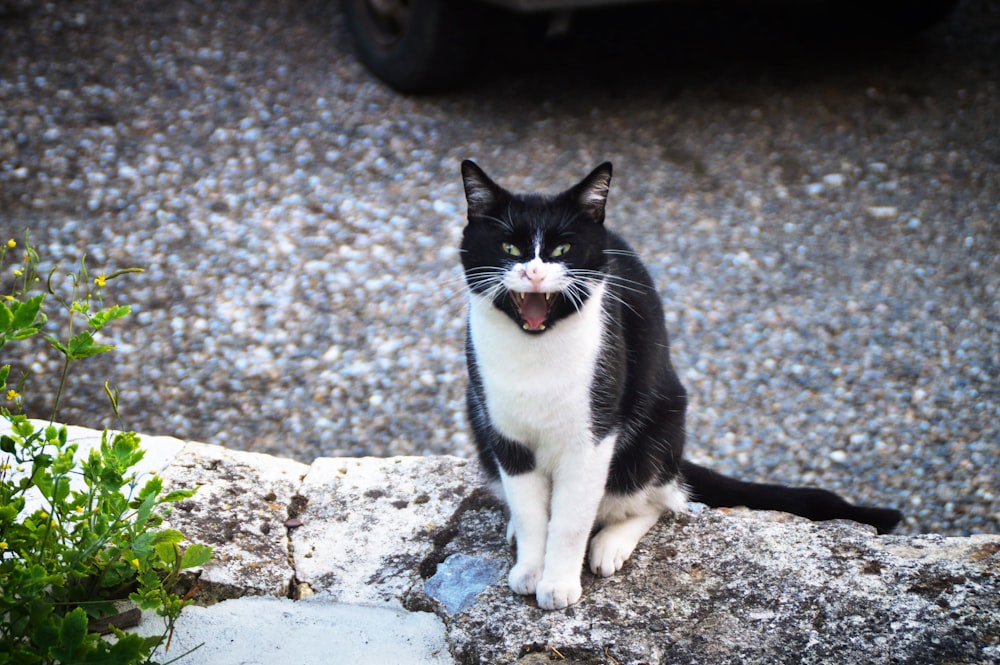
{"x":535,"y":271}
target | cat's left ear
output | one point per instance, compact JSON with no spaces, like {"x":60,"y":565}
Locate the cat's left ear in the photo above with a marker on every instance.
{"x":592,"y":192}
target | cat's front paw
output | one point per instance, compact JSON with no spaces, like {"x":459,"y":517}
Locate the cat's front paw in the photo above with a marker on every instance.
{"x":523,"y":578}
{"x":609,"y":550}
{"x":557,"y":594}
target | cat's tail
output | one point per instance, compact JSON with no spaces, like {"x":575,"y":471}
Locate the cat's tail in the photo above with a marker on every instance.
{"x":719,"y":491}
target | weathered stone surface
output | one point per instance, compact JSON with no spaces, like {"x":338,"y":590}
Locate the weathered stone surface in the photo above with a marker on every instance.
{"x":743,"y":588}
{"x":713,"y":587}
{"x":368,"y":524}
{"x":240,"y":509}
{"x":279,"y":631}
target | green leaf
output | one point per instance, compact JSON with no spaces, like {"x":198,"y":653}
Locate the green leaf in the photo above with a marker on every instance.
{"x":23,"y":427}
{"x":83,"y":346}
{"x":131,"y":648}
{"x":46,"y":636}
{"x":152,"y":488}
{"x":71,"y":634}
{"x":167,"y":553}
{"x":62,"y":489}
{"x":144,"y":510}
{"x":57,"y":345}
{"x":43,"y":461}
{"x":56,"y":434}
{"x":7,"y":444}
{"x":196,"y":555}
{"x":6,"y":317}
{"x":26,"y":312}
{"x":177,"y":495}
{"x":142,"y":546}
{"x":169,"y":536}
{"x":102,"y":318}
{"x":10,"y":511}
{"x":64,"y":462}
{"x":25,"y":333}
{"x":125,"y":449}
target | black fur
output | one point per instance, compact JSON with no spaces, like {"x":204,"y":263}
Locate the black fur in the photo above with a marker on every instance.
{"x":636,"y":390}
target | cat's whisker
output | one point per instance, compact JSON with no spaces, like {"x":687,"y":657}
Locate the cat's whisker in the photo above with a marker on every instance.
{"x":621,"y":252}
{"x":576,"y":295}
{"x":618,"y":280}
{"x":506,"y":224}
{"x":624,"y":303}
{"x":487,"y":280}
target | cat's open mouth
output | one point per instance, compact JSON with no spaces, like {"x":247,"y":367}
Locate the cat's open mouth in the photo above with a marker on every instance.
{"x":534,"y":309}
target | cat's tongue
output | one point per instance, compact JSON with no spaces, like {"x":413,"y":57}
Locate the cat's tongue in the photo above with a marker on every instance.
{"x":534,"y":310}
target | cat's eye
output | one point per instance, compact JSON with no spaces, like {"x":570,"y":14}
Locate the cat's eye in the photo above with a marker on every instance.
{"x":560,"y":250}
{"x":511,"y":249}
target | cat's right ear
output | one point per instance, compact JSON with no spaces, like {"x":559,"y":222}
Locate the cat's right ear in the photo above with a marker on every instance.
{"x":481,"y":193}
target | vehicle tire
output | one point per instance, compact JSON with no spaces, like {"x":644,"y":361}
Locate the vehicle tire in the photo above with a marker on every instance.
{"x":415,"y":45}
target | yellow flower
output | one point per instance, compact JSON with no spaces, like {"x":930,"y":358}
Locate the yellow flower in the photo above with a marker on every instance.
{"x":3,"y":543}
{"x":135,"y":562}
{"x":79,"y":509}
{"x":4,"y":467}
{"x":12,"y":243}
{"x":101,"y":280}
{"x":17,"y":273}
{"x":44,"y":515}
{"x":13,"y":395}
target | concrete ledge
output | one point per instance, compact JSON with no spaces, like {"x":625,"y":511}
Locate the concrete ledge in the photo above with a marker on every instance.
{"x":403,"y":560}
{"x":240,"y":509}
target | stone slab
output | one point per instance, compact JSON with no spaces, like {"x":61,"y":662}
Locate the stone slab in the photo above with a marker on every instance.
{"x":742,"y":588}
{"x":266,"y":631}
{"x":241,"y":509}
{"x":373,"y":538}
{"x":370,"y":523}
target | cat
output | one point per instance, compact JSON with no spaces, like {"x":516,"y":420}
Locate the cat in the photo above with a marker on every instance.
{"x":574,"y":404}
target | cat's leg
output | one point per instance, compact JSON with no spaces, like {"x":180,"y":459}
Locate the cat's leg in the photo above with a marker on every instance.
{"x":627,"y":522}
{"x":577,"y":487}
{"x":614,"y":544}
{"x":527,"y":497}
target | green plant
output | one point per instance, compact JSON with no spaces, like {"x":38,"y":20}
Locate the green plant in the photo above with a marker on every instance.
{"x":76,"y":535}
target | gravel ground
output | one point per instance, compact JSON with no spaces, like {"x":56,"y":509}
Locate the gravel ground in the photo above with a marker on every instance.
{"x":822,"y":223}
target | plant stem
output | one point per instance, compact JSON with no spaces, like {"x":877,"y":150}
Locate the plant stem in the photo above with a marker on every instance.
{"x":59,"y":390}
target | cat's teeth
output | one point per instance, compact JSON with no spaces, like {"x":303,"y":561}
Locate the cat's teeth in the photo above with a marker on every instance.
{"x":548,"y":296}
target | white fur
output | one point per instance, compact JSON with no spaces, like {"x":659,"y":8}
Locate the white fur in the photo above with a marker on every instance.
{"x":626,"y":519}
{"x":536,"y":276}
{"x":537,"y":387}
{"x":537,"y":390}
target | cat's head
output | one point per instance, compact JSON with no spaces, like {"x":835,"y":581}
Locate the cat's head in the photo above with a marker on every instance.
{"x":537,"y":258}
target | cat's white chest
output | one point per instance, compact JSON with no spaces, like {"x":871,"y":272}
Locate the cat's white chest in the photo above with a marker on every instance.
{"x":538,"y":387}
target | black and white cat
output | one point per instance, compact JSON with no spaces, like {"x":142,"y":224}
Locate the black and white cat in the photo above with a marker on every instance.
{"x":576,"y":409}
